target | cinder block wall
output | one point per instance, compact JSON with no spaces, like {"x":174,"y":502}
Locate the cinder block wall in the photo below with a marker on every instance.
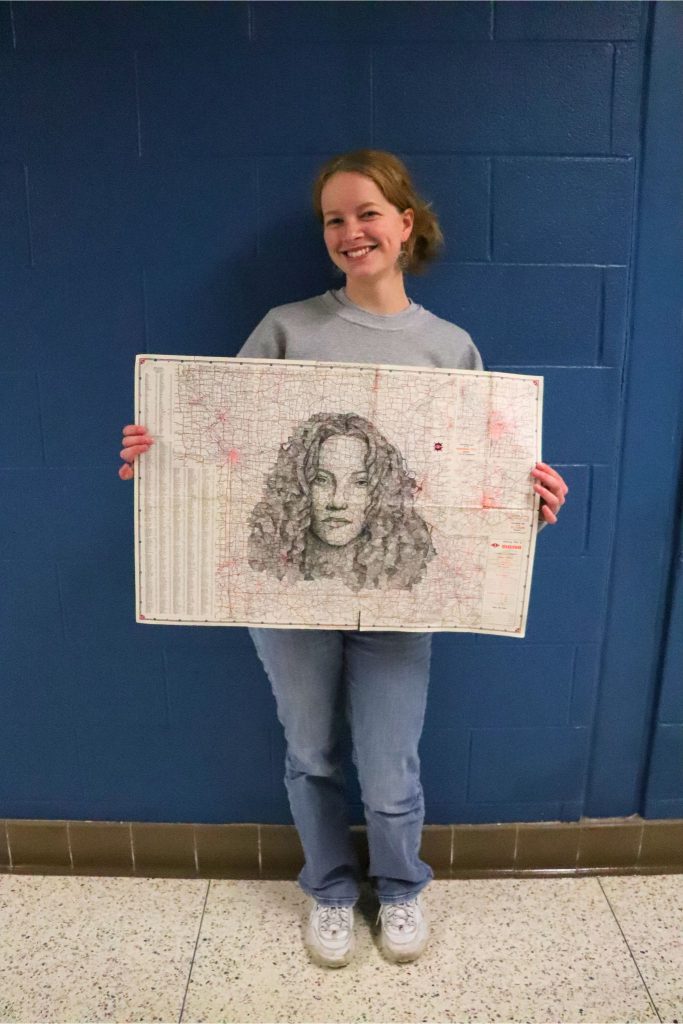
{"x":154,"y":196}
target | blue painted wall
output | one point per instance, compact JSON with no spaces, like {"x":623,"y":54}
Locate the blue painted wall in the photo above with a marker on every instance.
{"x":154,"y":196}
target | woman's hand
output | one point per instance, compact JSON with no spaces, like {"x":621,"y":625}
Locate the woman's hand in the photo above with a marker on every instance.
{"x":552,"y":489}
{"x":136,"y":441}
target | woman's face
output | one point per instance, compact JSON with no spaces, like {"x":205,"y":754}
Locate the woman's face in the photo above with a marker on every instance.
{"x":339,"y":492}
{"x":363,"y":232}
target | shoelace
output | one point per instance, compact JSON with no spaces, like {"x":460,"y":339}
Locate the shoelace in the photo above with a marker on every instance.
{"x":334,"y":919}
{"x":399,"y":915}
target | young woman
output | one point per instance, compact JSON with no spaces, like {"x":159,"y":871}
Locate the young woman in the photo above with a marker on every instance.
{"x":376,"y":228}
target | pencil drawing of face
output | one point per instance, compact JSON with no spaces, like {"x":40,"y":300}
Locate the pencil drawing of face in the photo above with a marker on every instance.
{"x":338,"y":503}
{"x":339,"y":490}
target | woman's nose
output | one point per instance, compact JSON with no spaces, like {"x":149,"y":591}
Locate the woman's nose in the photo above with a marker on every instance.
{"x":353,"y":231}
{"x":337,"y":499}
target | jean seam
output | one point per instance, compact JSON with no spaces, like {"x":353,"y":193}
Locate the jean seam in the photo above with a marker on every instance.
{"x":333,"y":903}
{"x":405,"y":896}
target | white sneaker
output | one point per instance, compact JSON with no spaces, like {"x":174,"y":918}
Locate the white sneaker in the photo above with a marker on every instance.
{"x":329,"y":935}
{"x":405,"y":929}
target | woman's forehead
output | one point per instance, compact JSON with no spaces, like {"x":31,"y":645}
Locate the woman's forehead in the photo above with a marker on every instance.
{"x":349,"y":189}
{"x":341,"y":450}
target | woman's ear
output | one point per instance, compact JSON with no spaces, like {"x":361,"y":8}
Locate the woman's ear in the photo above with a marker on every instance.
{"x":408,"y":217}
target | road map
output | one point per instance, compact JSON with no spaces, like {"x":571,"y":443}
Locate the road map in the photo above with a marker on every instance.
{"x":323,"y":495}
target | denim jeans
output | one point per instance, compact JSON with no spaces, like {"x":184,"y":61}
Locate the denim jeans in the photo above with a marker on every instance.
{"x":378,"y":682}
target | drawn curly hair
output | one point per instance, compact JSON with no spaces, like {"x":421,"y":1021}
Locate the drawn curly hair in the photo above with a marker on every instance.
{"x":395,"y":543}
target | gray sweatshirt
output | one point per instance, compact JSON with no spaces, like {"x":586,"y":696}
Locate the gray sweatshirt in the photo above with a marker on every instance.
{"x":331,"y":328}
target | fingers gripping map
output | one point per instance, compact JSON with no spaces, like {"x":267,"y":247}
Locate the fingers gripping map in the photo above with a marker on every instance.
{"x":335,"y":495}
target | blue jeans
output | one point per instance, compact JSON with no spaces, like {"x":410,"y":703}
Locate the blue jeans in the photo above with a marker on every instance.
{"x":378,"y":682}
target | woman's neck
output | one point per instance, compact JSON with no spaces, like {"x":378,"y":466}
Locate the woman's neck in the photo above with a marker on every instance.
{"x":385,"y":296}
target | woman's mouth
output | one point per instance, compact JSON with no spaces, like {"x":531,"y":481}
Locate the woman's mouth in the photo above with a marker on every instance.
{"x":360,"y":253}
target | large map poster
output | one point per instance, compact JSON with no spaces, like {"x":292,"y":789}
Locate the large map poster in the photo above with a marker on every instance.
{"x":335,"y":495}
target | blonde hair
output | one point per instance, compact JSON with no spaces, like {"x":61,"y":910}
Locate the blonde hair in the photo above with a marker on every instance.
{"x":394,"y":182}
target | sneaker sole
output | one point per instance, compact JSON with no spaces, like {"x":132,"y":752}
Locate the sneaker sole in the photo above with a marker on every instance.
{"x":398,"y":956}
{"x":322,"y":961}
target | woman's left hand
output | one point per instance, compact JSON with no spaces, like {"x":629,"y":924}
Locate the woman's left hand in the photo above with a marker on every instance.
{"x":552,"y":489}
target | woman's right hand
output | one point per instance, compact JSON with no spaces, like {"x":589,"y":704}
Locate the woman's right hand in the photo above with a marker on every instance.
{"x":136,"y":441}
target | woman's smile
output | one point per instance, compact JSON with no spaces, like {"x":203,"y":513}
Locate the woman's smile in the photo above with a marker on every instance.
{"x":358,"y":254}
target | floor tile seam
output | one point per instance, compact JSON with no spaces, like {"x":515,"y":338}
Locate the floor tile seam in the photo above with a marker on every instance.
{"x":628,"y":946}
{"x":194,"y":952}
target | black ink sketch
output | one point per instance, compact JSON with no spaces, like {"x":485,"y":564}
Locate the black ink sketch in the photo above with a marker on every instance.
{"x":339,"y":503}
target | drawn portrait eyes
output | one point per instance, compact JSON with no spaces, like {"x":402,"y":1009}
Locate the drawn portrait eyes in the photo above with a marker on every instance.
{"x":324,"y":480}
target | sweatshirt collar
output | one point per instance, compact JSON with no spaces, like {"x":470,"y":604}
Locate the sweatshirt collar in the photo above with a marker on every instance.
{"x":339,"y":301}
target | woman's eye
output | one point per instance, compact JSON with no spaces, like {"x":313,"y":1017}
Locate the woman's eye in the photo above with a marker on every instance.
{"x":370,"y":213}
{"x":362,"y":482}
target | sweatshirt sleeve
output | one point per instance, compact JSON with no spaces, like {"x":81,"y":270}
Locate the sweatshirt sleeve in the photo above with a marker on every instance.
{"x":477,"y":363}
{"x":266,"y":341}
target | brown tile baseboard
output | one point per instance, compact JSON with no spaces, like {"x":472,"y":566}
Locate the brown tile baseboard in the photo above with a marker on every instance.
{"x":591,"y":846}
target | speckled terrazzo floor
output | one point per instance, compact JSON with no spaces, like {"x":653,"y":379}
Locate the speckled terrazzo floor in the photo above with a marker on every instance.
{"x":528,"y":950}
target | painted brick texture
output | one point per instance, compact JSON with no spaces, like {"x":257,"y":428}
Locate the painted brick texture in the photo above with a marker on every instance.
{"x":154,"y":196}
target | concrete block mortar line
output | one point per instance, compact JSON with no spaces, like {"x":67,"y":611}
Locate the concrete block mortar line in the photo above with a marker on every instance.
{"x":612,"y":94}
{"x":145,"y":312}
{"x":29,"y":226}
{"x":136,"y":75}
{"x":257,"y":202}
{"x":41,"y":424}
{"x":60,"y":600}
{"x":572,"y":688}
{"x":12,"y":24}
{"x":490,"y":238}
{"x":164,"y":681}
{"x":589,"y":509}
{"x":372,"y":101}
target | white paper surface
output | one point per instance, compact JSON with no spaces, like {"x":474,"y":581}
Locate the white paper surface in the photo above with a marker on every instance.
{"x":335,"y":495}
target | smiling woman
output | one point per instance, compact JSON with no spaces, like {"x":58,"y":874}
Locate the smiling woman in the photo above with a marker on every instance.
{"x":339,"y":504}
{"x":375,"y":226}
